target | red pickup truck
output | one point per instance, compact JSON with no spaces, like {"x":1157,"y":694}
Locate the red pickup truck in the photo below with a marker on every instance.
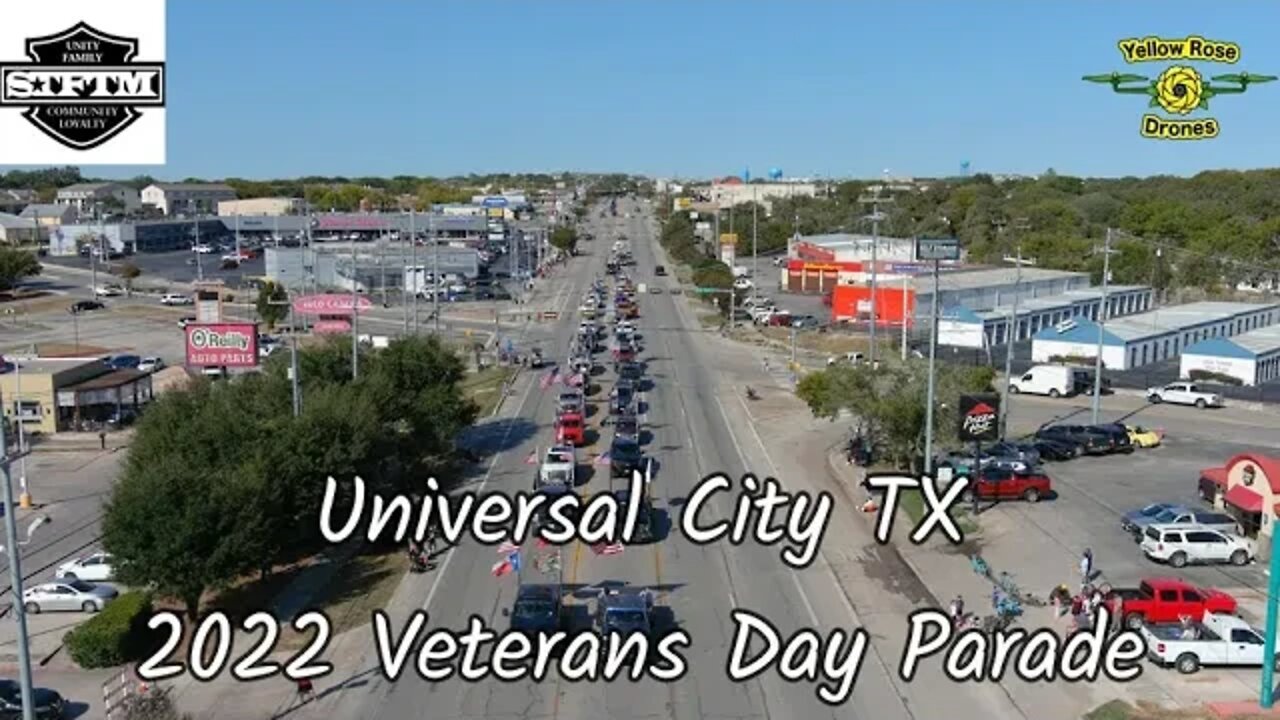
{"x":1004,"y":484}
{"x":1166,"y":600}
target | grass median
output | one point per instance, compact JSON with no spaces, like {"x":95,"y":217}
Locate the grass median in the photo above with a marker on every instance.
{"x":485,"y":387}
{"x":912,"y":503}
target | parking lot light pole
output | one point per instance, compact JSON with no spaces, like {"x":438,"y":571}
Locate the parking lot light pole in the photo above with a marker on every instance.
{"x":1010,"y":337}
{"x":24,"y":498}
{"x":15,"y":580}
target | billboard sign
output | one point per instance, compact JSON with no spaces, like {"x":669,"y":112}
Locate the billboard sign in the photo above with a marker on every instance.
{"x":728,"y":238}
{"x":938,"y":249}
{"x":979,"y":418}
{"x":222,"y":345}
{"x":497,"y":212}
{"x":332,"y":327}
{"x":330,"y":304}
{"x":905,"y":268}
{"x":494,"y":201}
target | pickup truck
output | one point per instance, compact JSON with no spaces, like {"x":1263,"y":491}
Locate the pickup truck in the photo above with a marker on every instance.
{"x":1166,"y":600}
{"x":1184,"y":393}
{"x":1218,"y":640}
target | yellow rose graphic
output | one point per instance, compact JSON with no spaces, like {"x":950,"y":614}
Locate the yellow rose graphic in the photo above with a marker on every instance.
{"x":1179,"y":90}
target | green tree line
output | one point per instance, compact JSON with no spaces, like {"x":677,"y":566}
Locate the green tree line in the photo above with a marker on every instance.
{"x":222,"y":480}
{"x":1208,"y":231}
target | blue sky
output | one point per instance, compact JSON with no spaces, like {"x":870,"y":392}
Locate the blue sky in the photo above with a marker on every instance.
{"x":835,"y":88}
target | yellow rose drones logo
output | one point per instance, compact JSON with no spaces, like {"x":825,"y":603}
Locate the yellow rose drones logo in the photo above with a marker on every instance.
{"x":1179,"y":90}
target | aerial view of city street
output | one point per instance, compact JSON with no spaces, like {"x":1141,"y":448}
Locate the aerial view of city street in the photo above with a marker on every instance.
{"x":640,"y":388}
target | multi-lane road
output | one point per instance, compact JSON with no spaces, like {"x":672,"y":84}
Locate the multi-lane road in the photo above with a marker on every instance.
{"x":690,"y":438}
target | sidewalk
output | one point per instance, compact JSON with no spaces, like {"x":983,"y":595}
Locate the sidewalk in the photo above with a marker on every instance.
{"x":355,"y":681}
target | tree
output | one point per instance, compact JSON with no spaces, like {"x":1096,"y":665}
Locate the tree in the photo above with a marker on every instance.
{"x":129,"y":272}
{"x":176,"y":519}
{"x":272,"y":304}
{"x":564,"y":239}
{"x":893,"y":401}
{"x":16,"y":265}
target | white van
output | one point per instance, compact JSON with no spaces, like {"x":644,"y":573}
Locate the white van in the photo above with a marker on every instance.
{"x":1052,"y":380}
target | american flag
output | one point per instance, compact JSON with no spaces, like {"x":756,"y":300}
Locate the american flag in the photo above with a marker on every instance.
{"x":542,"y":543}
{"x":607,"y":548}
{"x":532,"y":459}
{"x":603,"y":458}
{"x":500,"y":568}
{"x":507,"y":547}
{"x":547,"y":380}
{"x":575,"y":380}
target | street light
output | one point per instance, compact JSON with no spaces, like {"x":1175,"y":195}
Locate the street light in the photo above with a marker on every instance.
{"x":15,"y":575}
{"x":936,"y":250}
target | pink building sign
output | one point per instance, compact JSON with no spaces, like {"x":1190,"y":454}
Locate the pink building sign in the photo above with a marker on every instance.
{"x":330,"y":304}
{"x":222,"y":345}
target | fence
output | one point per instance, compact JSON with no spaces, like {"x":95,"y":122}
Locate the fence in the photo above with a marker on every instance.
{"x":121,"y":688}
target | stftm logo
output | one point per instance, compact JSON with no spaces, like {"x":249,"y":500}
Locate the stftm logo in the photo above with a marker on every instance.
{"x":83,"y":82}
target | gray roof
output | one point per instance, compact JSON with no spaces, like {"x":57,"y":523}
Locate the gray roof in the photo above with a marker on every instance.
{"x":45,"y":210}
{"x":8,"y":220}
{"x":828,"y":239}
{"x":1262,"y":341}
{"x":1056,"y":302}
{"x":990,"y":277}
{"x":86,"y":187}
{"x":19,"y":194}
{"x":1175,"y":318}
{"x":193,"y":186}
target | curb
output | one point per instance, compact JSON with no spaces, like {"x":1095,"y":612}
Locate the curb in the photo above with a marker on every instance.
{"x":834,"y":474}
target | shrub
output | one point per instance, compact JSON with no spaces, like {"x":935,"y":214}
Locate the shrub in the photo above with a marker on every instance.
{"x":1215,"y":377}
{"x":114,"y":636}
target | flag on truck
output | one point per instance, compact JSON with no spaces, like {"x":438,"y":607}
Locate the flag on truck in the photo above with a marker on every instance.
{"x":614,"y":548}
{"x":502,"y":567}
{"x":603,"y":458}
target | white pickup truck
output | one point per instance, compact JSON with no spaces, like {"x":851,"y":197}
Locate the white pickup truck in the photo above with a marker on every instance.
{"x":559,"y":468}
{"x":1184,"y":393}
{"x":1219,"y":640}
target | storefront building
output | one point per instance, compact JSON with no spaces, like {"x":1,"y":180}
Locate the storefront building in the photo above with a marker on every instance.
{"x":68,"y":394}
{"x":1247,"y":487}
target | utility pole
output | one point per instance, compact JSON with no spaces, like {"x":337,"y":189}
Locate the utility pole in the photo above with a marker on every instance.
{"x":355,"y":313}
{"x":1010,"y":338}
{"x":755,"y":221}
{"x":237,"y":237}
{"x":195,"y":249}
{"x":382,"y":267}
{"x":1102,"y":323}
{"x":404,"y":283}
{"x":15,"y":580}
{"x":417,"y":275}
{"x":875,"y":217}
{"x":435,"y":268}
{"x":906,"y":293}
{"x":24,"y":498}
{"x":933,"y":354}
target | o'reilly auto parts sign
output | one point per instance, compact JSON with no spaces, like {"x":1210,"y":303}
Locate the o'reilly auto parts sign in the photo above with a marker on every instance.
{"x":222,"y":345}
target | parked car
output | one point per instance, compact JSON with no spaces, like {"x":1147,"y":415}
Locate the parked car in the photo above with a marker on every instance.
{"x":1138,"y":435}
{"x":203,"y":249}
{"x":1003,"y":484}
{"x":1182,"y":544}
{"x":659,"y":270}
{"x":1217,"y":640}
{"x":183,"y":322}
{"x":1184,"y":393}
{"x":781,"y":318}
{"x":1056,"y":450}
{"x":1091,"y":441}
{"x":176,"y":299}
{"x":49,"y":704}
{"x":120,"y":362}
{"x":1165,"y":600}
{"x":80,"y":306}
{"x":1052,"y":380}
{"x":1135,"y":521}
{"x":1117,"y":437}
{"x":68,"y":595}
{"x":108,"y":291}
{"x":94,"y":568}
{"x":805,"y":321}
{"x":1025,"y":452}
{"x":1184,"y":516}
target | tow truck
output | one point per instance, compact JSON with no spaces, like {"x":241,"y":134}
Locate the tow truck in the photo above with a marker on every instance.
{"x":559,"y":468}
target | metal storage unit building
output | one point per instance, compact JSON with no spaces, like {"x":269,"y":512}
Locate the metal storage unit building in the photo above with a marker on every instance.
{"x":1252,"y":357}
{"x":1153,"y":336}
{"x":959,"y":326}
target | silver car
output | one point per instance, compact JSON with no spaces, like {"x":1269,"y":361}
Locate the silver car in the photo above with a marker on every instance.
{"x":71,"y":595}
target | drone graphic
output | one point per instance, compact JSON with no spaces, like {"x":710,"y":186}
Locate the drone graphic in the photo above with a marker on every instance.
{"x":1180,"y":89}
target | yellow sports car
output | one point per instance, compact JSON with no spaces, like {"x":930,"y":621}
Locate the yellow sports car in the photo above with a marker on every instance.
{"x":1142,"y":437}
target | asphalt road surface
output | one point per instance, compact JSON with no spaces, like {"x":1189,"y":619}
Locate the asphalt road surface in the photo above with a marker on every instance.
{"x":701,"y":584}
